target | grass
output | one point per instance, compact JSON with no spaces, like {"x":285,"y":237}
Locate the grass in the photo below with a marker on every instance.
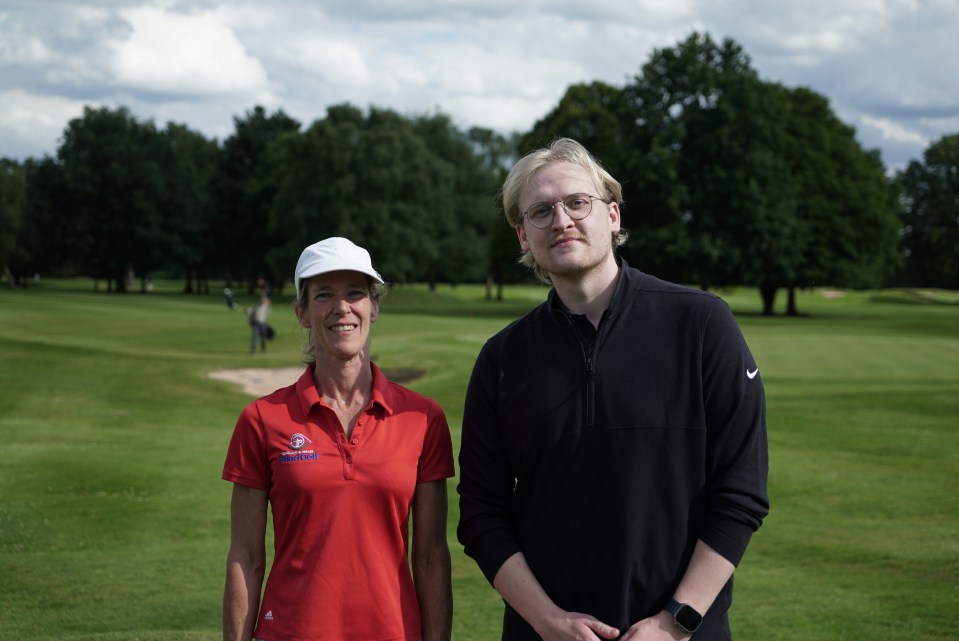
{"x":114,"y":522}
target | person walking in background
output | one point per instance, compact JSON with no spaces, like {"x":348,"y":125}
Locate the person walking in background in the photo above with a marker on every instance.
{"x":344,"y":457}
{"x":259,"y":317}
{"x":614,"y":458}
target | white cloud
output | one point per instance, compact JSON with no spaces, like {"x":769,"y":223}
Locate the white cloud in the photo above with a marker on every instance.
{"x":193,"y":53}
{"x":31,"y":121}
{"x":885,"y":65}
{"x":894,"y":131}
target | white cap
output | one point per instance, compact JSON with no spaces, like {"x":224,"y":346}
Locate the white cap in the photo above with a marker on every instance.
{"x":332,"y":255}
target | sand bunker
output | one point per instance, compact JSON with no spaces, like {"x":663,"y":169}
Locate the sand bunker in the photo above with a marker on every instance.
{"x":259,"y":382}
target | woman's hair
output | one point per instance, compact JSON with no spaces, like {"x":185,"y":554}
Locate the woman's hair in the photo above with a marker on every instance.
{"x":526,"y":168}
{"x":377,"y":293}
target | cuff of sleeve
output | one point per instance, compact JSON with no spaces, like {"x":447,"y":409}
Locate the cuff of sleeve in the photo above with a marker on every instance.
{"x":492,"y":552}
{"x":728,"y":538}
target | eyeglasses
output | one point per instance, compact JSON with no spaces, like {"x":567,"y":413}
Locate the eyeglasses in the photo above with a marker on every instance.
{"x":576,"y":206}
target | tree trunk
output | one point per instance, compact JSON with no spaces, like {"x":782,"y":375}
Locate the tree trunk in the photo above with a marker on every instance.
{"x":791,"y":302}
{"x":768,"y":293}
{"x":188,"y":284}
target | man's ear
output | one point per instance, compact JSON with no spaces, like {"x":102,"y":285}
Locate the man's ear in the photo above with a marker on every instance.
{"x":615,"y":219}
{"x":521,"y":235}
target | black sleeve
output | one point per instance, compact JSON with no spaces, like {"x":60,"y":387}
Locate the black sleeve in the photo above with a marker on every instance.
{"x":737,"y":459}
{"x":486,"y":527}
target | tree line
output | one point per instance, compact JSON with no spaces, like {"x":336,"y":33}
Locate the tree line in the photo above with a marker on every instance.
{"x":728,"y":179}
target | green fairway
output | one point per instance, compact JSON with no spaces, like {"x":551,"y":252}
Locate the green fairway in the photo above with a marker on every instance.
{"x":114,"y":523}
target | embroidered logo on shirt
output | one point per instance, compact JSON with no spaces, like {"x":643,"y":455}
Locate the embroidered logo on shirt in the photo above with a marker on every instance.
{"x":751,"y":375}
{"x":269,"y":615}
{"x":298,"y":441}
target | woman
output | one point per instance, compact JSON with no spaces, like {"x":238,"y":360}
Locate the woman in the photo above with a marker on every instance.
{"x":343,"y":457}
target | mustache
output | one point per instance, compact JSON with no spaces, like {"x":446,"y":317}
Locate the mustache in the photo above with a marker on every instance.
{"x":564,"y":237}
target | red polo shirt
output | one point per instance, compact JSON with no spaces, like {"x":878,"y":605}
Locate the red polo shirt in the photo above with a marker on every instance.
{"x":340,"y":508}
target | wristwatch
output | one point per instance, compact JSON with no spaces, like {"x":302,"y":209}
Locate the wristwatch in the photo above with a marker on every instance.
{"x":684,"y":615}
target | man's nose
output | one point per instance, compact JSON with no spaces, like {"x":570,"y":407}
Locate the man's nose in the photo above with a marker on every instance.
{"x":561,"y":218}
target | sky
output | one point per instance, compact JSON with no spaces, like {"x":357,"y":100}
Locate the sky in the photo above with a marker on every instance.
{"x":890,"y":68}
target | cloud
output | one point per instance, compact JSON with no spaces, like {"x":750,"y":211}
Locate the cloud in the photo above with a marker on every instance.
{"x":30,"y":122}
{"x":895,"y":131}
{"x":168,"y":52}
{"x":885,"y":65}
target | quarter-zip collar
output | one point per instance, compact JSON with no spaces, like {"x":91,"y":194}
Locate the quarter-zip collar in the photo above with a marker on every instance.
{"x":589,"y":344}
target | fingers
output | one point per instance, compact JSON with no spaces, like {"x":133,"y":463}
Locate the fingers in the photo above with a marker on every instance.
{"x":602,"y":630}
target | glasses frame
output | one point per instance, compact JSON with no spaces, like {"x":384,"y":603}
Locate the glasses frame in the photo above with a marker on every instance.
{"x":566,"y":210}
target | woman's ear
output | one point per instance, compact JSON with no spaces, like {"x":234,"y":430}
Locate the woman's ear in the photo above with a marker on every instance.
{"x":302,"y":316}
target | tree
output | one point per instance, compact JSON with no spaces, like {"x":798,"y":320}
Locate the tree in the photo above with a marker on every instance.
{"x":461,"y":226}
{"x":372,"y":178}
{"x":497,"y":154}
{"x":708,"y":128}
{"x":244,"y":195}
{"x":189,"y":163}
{"x":929,"y":212}
{"x":751,"y":183}
{"x":846,"y":221}
{"x":114,"y":185}
{"x":12,"y":200}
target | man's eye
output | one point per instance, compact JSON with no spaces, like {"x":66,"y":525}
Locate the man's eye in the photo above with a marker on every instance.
{"x":541,"y":211}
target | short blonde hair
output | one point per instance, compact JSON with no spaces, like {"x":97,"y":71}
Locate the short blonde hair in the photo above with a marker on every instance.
{"x":526,"y":168}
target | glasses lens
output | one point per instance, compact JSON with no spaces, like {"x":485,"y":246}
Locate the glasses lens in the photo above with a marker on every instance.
{"x":578,"y":205}
{"x":540,"y":215}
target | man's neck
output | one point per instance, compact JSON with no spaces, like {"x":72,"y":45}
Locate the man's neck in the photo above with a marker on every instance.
{"x":588,"y":294}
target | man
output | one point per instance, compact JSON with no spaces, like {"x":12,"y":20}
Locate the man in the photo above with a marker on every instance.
{"x":614,"y":458}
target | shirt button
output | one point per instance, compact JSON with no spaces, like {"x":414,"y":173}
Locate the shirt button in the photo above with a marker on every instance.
{"x":354,"y":441}
{"x":349,"y":459}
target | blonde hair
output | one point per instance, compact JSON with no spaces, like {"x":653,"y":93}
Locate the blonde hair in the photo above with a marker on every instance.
{"x":526,"y":168}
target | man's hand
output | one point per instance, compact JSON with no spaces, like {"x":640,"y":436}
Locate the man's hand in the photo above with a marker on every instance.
{"x":573,"y":626}
{"x":657,"y":628}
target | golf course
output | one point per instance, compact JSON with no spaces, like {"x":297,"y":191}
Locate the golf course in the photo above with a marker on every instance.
{"x":114,"y":522}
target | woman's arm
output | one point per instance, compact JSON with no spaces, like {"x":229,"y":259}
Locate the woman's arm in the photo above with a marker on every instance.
{"x":431,"y":560}
{"x":245,"y":563}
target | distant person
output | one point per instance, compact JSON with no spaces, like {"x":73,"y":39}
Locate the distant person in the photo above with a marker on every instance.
{"x":344,"y":457}
{"x":613,"y":461}
{"x":229,"y":298}
{"x":259,"y":317}
{"x":265,"y":288}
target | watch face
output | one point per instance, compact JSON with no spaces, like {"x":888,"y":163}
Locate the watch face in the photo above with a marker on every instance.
{"x":688,"y":618}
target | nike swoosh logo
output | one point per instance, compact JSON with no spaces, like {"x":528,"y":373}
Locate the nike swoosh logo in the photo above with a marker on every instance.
{"x":751,"y":375}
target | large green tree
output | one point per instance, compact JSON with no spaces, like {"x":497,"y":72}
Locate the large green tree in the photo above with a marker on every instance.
{"x":370,"y":177}
{"x":461,"y":219}
{"x":929,"y":210}
{"x":244,"y":193}
{"x":844,"y":209}
{"x":756,"y":184}
{"x":708,"y":143}
{"x":189,"y":162}
{"x":114,"y":186}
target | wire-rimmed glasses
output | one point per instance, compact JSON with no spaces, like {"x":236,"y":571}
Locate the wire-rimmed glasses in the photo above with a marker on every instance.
{"x":576,"y":206}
